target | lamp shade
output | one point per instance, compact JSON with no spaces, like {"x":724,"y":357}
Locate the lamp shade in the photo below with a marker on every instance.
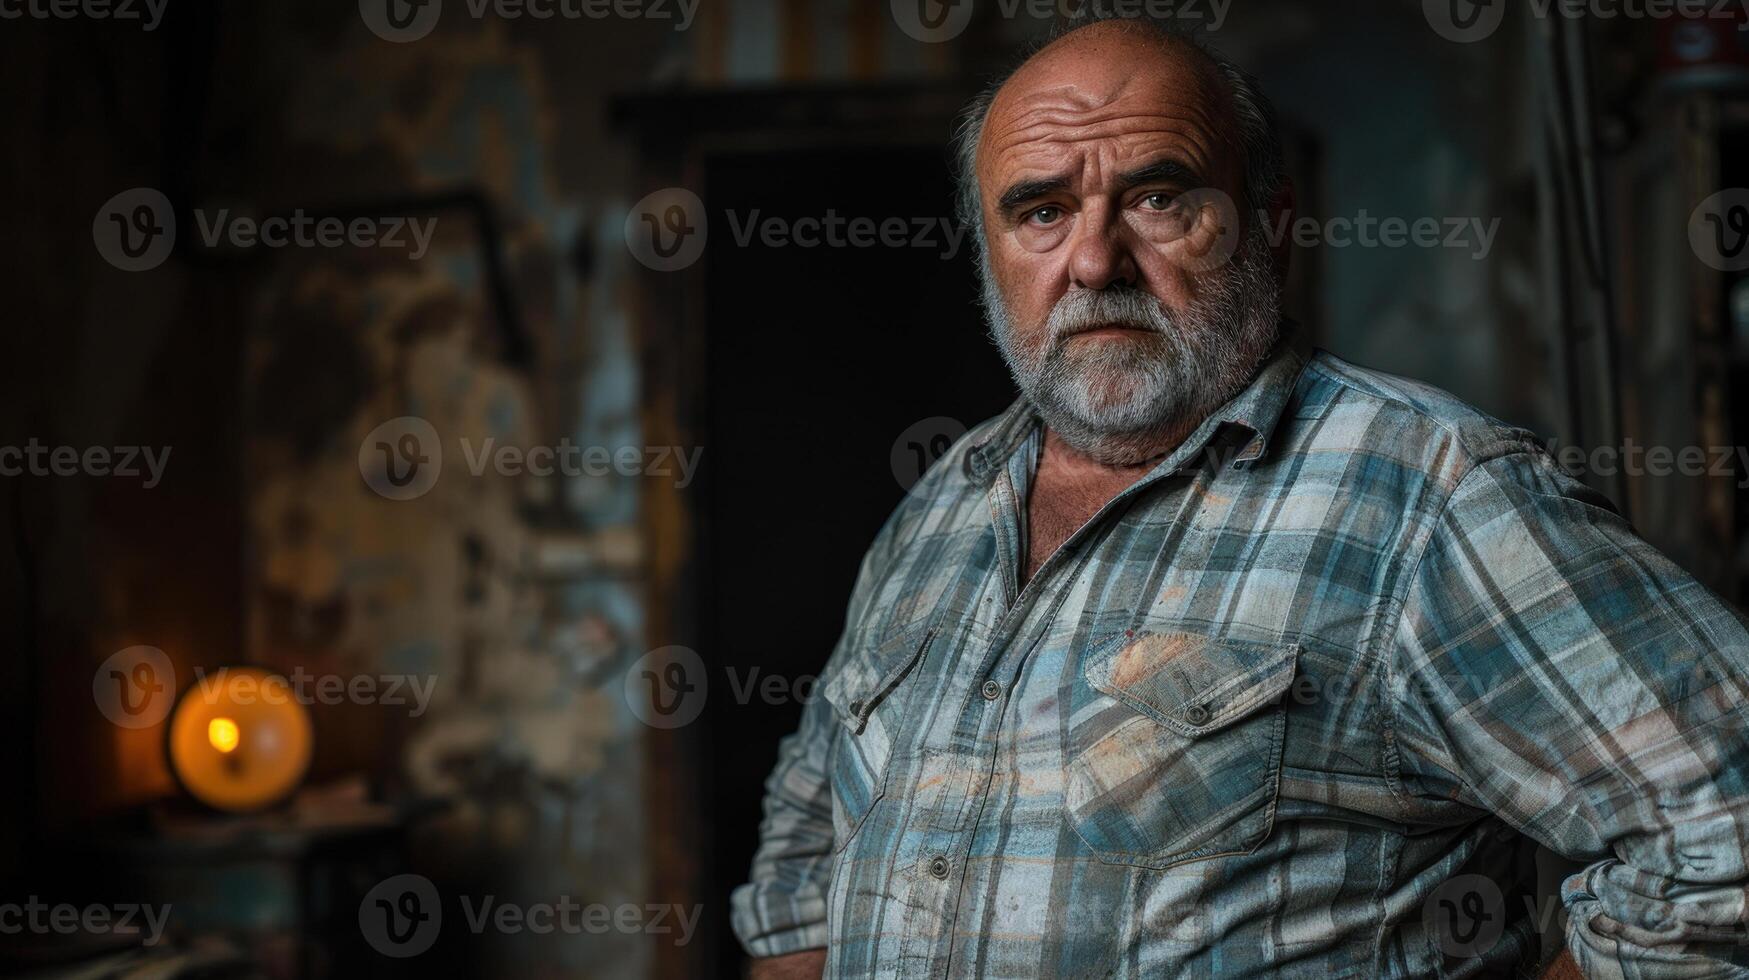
{"x":239,"y":739}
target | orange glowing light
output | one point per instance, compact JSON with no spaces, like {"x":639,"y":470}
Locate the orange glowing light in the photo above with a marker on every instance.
{"x":216,"y":764}
{"x":221,"y":733}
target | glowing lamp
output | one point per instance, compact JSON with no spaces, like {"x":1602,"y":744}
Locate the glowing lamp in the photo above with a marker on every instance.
{"x":239,"y":739}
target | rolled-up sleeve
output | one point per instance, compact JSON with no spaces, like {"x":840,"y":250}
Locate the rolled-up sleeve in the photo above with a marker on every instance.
{"x":782,"y":907}
{"x":1580,"y":686}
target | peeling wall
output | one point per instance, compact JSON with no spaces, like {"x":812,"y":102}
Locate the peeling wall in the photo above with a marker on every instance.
{"x":517,"y":596}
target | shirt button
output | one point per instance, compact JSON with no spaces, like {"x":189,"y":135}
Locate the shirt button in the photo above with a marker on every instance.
{"x":1196,"y":714}
{"x":938,"y":866}
{"x":992,"y":690}
{"x":856,"y":707}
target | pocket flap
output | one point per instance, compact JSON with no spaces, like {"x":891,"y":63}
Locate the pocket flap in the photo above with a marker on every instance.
{"x":1191,"y":684}
{"x":866,"y":678}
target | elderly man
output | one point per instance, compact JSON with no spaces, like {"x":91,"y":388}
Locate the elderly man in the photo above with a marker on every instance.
{"x":1207,"y":660}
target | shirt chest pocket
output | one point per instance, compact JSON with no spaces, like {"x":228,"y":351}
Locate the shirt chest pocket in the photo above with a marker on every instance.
{"x":867,"y":701}
{"x":1175,"y":750}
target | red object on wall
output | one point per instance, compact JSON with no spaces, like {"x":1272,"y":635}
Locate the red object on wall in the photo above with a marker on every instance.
{"x":1708,"y":50}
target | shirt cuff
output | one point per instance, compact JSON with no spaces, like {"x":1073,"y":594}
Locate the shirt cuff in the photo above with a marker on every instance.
{"x":770,"y":922}
{"x":1617,"y":931}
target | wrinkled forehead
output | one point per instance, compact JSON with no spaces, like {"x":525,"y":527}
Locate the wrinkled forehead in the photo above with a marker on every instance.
{"x":1125,"y":95}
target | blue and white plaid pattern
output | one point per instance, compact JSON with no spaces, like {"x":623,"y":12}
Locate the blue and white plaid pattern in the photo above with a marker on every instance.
{"x":1295,"y":704}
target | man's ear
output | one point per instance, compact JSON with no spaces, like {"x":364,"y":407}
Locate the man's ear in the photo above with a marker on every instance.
{"x":1281,"y":212}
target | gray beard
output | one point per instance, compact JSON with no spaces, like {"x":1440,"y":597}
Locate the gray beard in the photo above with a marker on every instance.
{"x":1121,"y":403}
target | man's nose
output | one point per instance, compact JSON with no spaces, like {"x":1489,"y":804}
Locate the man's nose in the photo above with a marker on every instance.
{"x":1100,"y":255}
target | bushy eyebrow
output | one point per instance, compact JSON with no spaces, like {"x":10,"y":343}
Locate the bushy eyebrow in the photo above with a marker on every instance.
{"x":1168,"y":170}
{"x":1030,"y":190}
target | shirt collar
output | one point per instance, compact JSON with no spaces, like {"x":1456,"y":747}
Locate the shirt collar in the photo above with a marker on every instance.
{"x":1256,"y":410}
{"x":1259,"y":408}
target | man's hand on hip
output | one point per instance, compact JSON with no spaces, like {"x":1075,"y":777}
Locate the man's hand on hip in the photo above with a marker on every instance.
{"x":805,"y":965}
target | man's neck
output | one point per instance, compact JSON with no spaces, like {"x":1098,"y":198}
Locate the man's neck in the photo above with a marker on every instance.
{"x":1080,"y":466}
{"x":1114,"y":455}
{"x":1069,"y":488}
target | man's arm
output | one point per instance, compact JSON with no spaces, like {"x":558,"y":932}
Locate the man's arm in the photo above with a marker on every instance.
{"x":782,"y":908}
{"x":1570,"y":679}
{"x":781,"y":911}
{"x":1563,"y":968}
{"x":806,"y":965}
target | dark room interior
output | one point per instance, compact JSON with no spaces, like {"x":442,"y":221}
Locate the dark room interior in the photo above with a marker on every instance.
{"x":601,"y":342}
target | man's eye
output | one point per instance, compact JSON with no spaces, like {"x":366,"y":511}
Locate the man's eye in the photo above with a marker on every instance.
{"x":1045,"y":215}
{"x":1157,"y":202}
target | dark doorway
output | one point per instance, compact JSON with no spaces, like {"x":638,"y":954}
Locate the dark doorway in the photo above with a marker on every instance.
{"x":817,"y":359}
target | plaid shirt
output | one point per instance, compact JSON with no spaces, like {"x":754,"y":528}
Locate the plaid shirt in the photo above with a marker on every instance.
{"x":1296,"y":703}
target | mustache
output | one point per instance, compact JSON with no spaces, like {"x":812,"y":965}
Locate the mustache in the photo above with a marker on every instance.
{"x":1082,"y":311}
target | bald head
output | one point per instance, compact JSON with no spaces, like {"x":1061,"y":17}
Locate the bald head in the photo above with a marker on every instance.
{"x":1110,"y":80}
{"x":1131,"y":60}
